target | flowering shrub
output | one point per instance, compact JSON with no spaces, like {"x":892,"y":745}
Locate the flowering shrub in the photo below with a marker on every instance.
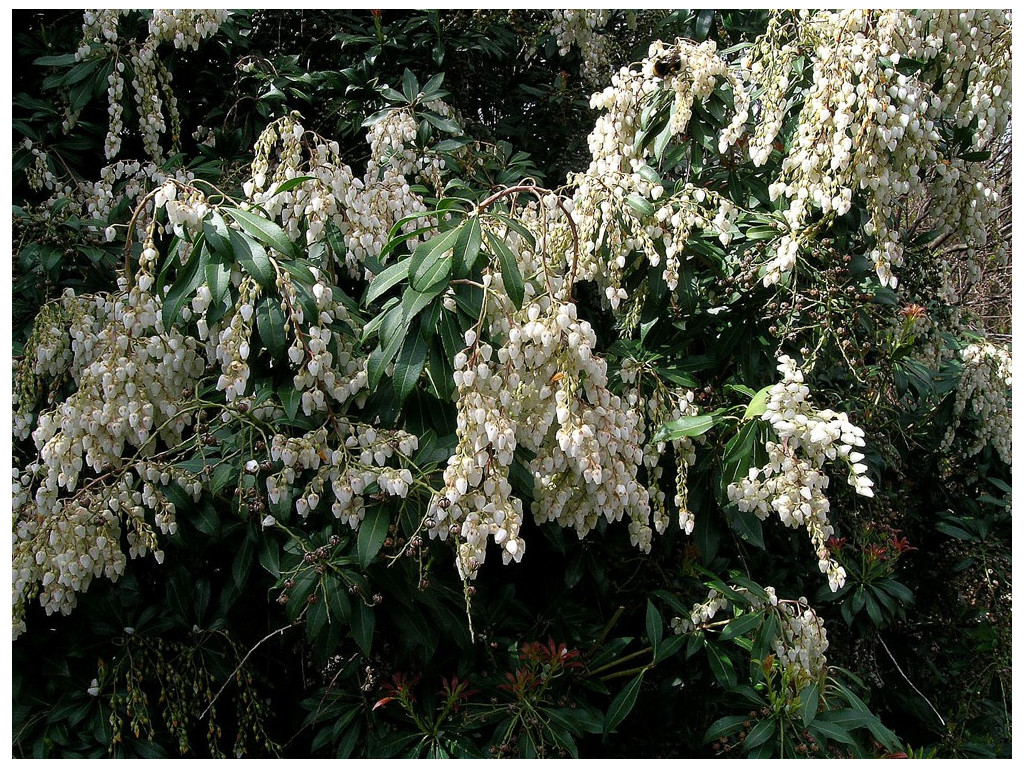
{"x":333,"y":370}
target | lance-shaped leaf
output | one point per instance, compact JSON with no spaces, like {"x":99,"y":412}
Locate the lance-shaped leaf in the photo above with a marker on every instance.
{"x":185,"y":286}
{"x":432,"y":262}
{"x":409,"y":365}
{"x":510,"y":273}
{"x":264,"y":230}
{"x":467,"y":246}
{"x":391,"y":276}
{"x":270,"y":323}
{"x":253,"y":257}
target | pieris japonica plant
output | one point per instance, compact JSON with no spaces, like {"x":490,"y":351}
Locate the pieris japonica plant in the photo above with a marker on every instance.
{"x":386,"y":412}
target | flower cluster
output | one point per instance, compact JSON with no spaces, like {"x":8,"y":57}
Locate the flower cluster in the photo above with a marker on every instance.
{"x":619,"y":169}
{"x":61,"y":545}
{"x":985,"y":383}
{"x":801,"y":643}
{"x":61,"y":344}
{"x":363,"y":210}
{"x":99,"y":29}
{"x":793,"y":482}
{"x":660,"y":406}
{"x":348,"y":471}
{"x":185,"y":28}
{"x":115,"y":96}
{"x":155,"y":104}
{"x":546,"y":390}
{"x":393,"y":141}
{"x":580,"y":28}
{"x":868,"y":126}
{"x":130,"y":376}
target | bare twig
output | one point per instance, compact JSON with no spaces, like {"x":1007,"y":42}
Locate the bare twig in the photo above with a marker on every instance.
{"x":242,"y":664}
{"x":898,"y":669}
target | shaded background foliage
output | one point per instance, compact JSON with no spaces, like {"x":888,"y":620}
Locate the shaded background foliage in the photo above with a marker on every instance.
{"x":572,"y":653}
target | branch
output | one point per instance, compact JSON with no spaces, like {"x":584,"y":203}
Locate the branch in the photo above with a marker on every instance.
{"x":941,"y":720}
{"x":242,"y":664}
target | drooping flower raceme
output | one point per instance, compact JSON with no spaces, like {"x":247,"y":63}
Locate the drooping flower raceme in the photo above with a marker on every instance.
{"x":130,"y":377}
{"x":868,"y":125}
{"x":793,"y":482}
{"x":543,"y":389}
{"x":610,"y":228}
{"x":985,"y":384}
{"x":801,"y":643}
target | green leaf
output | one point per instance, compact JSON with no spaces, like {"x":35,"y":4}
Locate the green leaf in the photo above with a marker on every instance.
{"x":270,"y":555}
{"x":809,"y":701}
{"x":253,"y":257}
{"x":467,"y":247}
{"x":639,"y":204}
{"x":301,"y":270}
{"x":414,"y":302}
{"x":759,"y":734}
{"x":432,"y":89}
{"x":655,"y":626}
{"x":393,"y":275}
{"x":434,"y":273}
{"x":751,"y":586}
{"x":725,"y":726}
{"x":761,"y":233}
{"x":338,"y":602}
{"x":451,"y":337}
{"x":441,"y":123}
{"x":897,"y":590}
{"x":243,"y":562}
{"x":740,"y":452}
{"x":686,"y":426}
{"x":290,"y":184}
{"x":874,"y":611}
{"x":677,"y":376}
{"x":702,"y":26}
{"x":56,"y":61}
{"x":623,"y":703}
{"x":747,"y":525}
{"x":431,"y":262}
{"x":372,"y":532}
{"x":518,"y":228}
{"x":224,"y":475}
{"x":316,"y":620}
{"x":218,"y":280}
{"x":669,"y":647}
{"x":764,"y":639}
{"x":392,"y":334}
{"x":215,"y":230}
{"x":955,"y":531}
{"x":741,"y":625}
{"x":662,"y":139}
{"x":449,"y":145}
{"x":206,"y":521}
{"x":291,"y":399}
{"x":398,"y":239}
{"x":831,"y":731}
{"x":758,"y":403}
{"x":264,"y":230}
{"x":721,"y":666}
{"x":184,"y":288}
{"x":270,"y":323}
{"x":363,"y":621}
{"x":410,"y":85}
{"x":409,"y":365}
{"x":510,"y":274}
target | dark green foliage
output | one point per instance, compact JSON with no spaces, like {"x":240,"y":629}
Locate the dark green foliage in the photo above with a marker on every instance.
{"x":306,"y":638}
